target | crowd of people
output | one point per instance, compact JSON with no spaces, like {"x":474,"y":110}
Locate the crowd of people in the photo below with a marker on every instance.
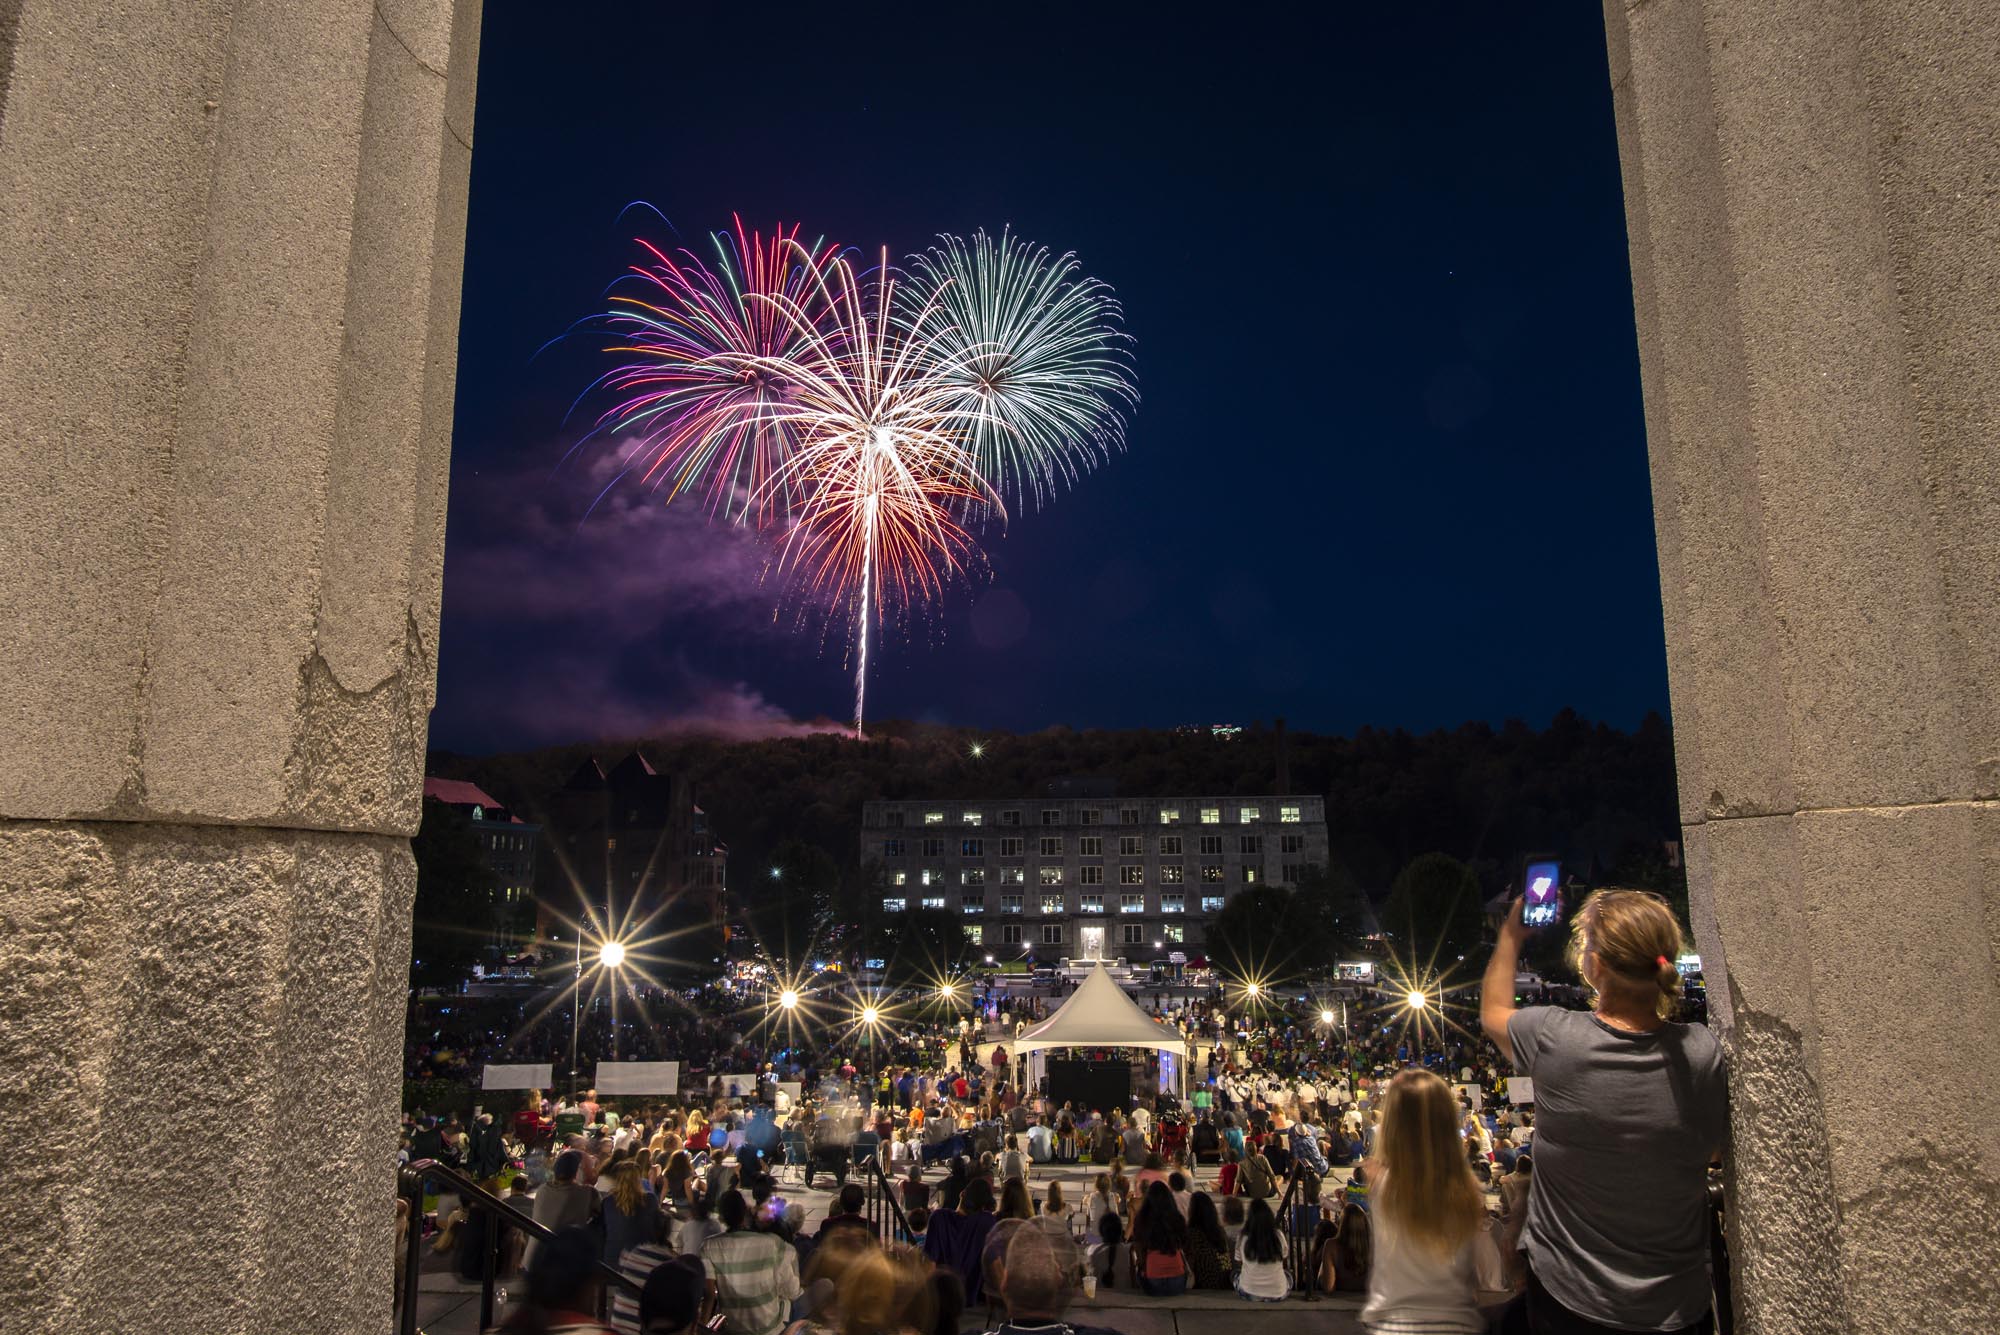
{"x":1417,"y":1184}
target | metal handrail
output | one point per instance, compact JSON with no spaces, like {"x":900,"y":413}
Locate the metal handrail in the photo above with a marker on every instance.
{"x":880,"y":1189}
{"x":411,"y":1181}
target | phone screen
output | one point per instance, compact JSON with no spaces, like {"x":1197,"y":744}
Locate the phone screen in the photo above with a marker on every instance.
{"x":1543,"y":906}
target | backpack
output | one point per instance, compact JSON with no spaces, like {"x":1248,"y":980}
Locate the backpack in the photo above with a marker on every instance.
{"x":1255,"y":1175}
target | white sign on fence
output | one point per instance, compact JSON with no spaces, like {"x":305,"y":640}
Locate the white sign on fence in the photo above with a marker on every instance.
{"x":795,"y":1089}
{"x":742,"y":1085}
{"x":638,"y":1077}
{"x":1520,"y":1089}
{"x":517,"y":1077}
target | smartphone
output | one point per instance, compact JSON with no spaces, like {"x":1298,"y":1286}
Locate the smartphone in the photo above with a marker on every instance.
{"x":1542,"y":894}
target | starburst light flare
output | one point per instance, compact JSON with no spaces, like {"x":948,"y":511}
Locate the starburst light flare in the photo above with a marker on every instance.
{"x":1035,"y":356}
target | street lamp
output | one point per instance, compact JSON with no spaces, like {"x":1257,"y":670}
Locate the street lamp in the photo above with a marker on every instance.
{"x":1416,"y":1000}
{"x":610,"y":955}
{"x":1326,"y":1018}
{"x":788,"y":999}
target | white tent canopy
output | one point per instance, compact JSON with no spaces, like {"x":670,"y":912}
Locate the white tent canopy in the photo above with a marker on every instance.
{"x":1099,"y":1015}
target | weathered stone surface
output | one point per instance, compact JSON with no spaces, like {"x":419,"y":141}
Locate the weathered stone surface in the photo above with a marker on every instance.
{"x":210,"y":1016}
{"x":226,"y":351}
{"x":1815,"y":241}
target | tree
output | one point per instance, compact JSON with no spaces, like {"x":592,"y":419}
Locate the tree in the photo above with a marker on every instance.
{"x":920,"y":946}
{"x":1434,"y":913}
{"x":789,"y":906}
{"x":1331,"y":899}
{"x":1269,"y":935}
{"x":455,"y":898}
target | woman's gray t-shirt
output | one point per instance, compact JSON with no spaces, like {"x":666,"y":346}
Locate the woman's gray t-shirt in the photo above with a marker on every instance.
{"x":1625,"y":1125}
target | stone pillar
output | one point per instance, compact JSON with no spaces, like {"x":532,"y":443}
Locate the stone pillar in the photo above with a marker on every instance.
{"x":1815,"y":232}
{"x":229,"y":272}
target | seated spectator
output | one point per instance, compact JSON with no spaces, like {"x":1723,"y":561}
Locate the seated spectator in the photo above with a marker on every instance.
{"x":852,"y":1197}
{"x":1233,"y":1214}
{"x":1109,"y":1258}
{"x":1424,"y":1215}
{"x":1014,"y":1203}
{"x":957,"y":1238}
{"x":1159,"y":1244}
{"x":919,"y":1221}
{"x":562,"y":1289}
{"x":1207,"y":1247}
{"x":1035,"y":1279}
{"x":1260,"y":1256}
{"x":631,"y":1215}
{"x":915,"y":1192}
{"x":756,"y":1274}
{"x":1341,"y":1262}
{"x":564,"y":1203}
{"x":674,"y":1300}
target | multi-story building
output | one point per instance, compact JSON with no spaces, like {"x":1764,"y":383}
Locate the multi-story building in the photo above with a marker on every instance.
{"x":629,"y":846}
{"x":506,"y":845}
{"x":1088,"y":877}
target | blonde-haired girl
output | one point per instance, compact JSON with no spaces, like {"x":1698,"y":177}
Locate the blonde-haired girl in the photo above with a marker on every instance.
{"x":1425,"y":1208}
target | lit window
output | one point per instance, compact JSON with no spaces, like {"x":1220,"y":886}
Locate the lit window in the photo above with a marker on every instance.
{"x":1172,"y":875}
{"x":975,"y":934}
{"x":1013,"y":876}
{"x":933,"y":818}
{"x":899,"y":878}
{"x":1249,"y":876}
{"x":1010,"y":933}
{"x":1174,"y":932}
{"x":1133,"y":933}
{"x":1052,"y":933}
{"x":972,"y":903}
{"x":1091,"y":904}
{"x":894,"y":905}
{"x":1010,"y":903}
{"x":969,"y":818}
{"x":1170,"y":815}
{"x":1247,"y":815}
{"x":1052,"y":903}
{"x":1211,"y":903}
{"x":928,"y":876}
{"x":933,"y":901}
{"x":1288,"y":815}
{"x":1173,"y":903}
{"x":1211,"y":876}
{"x":1132,"y":875}
{"x":1131,"y":845}
{"x":1050,"y":875}
{"x":1131,"y":903}
{"x":1211,"y":815}
{"x":972,"y":876}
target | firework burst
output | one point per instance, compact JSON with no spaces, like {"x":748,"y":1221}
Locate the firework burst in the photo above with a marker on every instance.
{"x":1032,"y":355}
{"x":878,"y":418}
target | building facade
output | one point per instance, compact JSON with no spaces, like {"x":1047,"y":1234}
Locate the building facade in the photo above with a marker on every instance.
{"x":1093,"y":877}
{"x":506,"y":845}
{"x":628,"y":849}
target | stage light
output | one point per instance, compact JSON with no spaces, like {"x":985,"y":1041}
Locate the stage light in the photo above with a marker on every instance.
{"x":611,"y":954}
{"x":788,"y":999}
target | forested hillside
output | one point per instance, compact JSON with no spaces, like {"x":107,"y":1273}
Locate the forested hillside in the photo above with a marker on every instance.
{"x":1602,"y":798}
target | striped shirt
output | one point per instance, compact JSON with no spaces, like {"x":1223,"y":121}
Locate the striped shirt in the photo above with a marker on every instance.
{"x":756,"y":1277}
{"x":635,"y":1263}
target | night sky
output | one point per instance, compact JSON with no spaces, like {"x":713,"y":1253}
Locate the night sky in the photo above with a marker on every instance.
{"x":1389,"y":463}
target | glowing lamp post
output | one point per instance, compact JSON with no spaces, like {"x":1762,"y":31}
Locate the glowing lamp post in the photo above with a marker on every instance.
{"x":610,"y":955}
{"x":788,"y":1000}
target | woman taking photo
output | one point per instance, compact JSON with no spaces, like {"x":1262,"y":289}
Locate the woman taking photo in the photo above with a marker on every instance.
{"x":1629,"y":1112}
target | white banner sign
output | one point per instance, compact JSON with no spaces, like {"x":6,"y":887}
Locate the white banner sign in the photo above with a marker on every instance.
{"x":794,"y":1089}
{"x":1520,"y":1089}
{"x":516,"y":1077}
{"x":740,"y":1086}
{"x":638,"y":1077}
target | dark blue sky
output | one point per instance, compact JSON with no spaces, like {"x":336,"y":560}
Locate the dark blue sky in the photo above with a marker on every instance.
{"x":1389,"y":465}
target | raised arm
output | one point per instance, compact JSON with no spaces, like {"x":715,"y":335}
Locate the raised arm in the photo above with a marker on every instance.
{"x":1496,"y":990}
